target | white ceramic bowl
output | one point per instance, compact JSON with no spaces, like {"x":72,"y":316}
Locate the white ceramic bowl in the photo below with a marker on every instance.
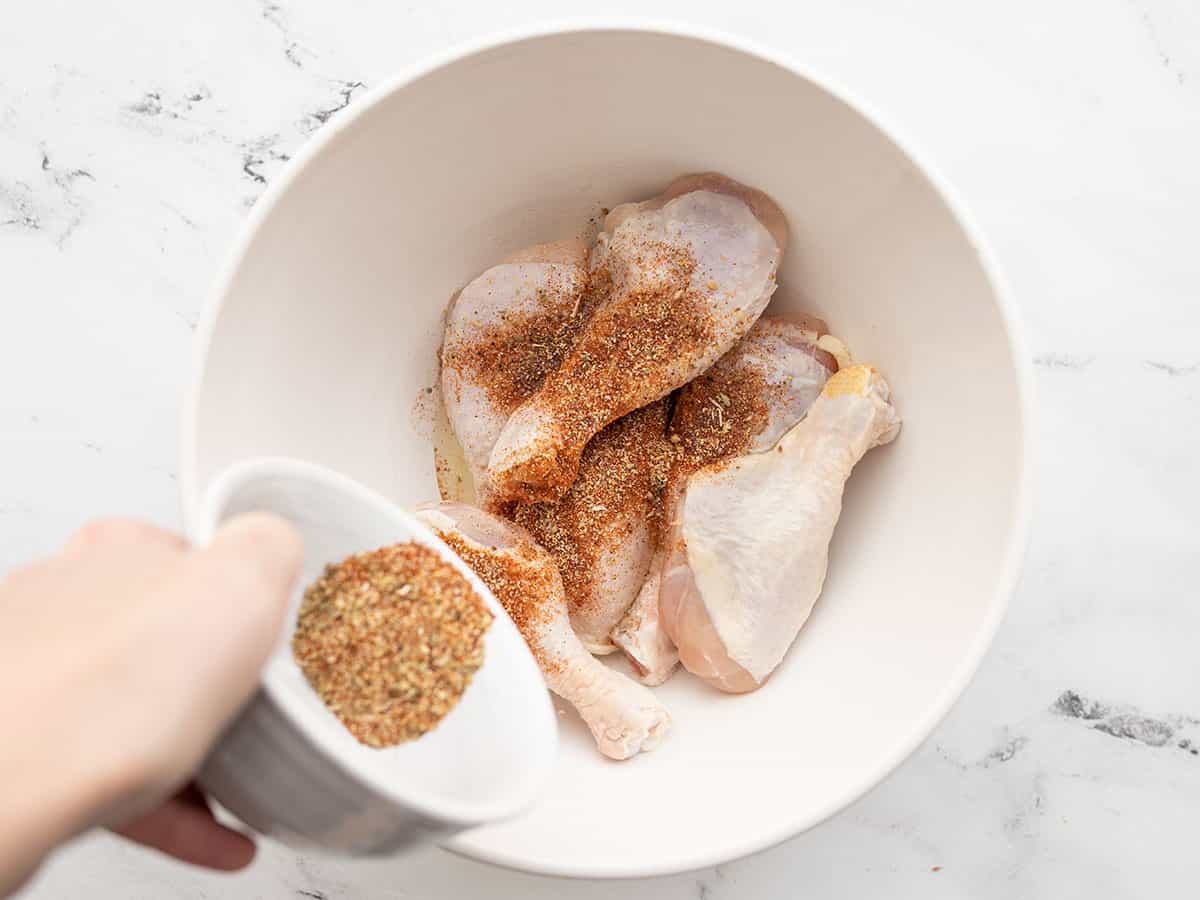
{"x":322,"y":333}
{"x":288,"y":767}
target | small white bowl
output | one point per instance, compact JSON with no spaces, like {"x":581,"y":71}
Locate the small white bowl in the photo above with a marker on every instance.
{"x":322,"y":332}
{"x":290,"y":769}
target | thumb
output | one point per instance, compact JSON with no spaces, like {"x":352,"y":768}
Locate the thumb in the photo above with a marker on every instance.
{"x":224,"y":607}
{"x":246,"y":576}
{"x":263,"y":547}
{"x":257,"y":557}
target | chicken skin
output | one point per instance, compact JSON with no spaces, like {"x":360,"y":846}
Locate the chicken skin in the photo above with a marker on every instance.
{"x":743,"y":404}
{"x":745,"y":569}
{"x":623,"y":716}
{"x":504,"y":331}
{"x":603,"y":531}
{"x":689,"y":272}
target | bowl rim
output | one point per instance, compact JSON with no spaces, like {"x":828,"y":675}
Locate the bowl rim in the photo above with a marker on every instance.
{"x":409,"y":797}
{"x":1018,"y":538}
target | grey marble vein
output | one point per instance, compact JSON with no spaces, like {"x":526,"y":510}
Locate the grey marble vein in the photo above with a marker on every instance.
{"x":1023,"y":820}
{"x":1125,"y":722}
{"x":153,"y":105}
{"x":1062,"y":361}
{"x":63,"y":177}
{"x":1156,"y":42}
{"x":346,"y":91}
{"x":261,"y":158}
{"x":182,"y":216}
{"x":293,"y":50}
{"x":1005,"y":752}
{"x":54,"y":202}
{"x":17,"y":206}
{"x":149,"y":105}
{"x":1173,"y":370}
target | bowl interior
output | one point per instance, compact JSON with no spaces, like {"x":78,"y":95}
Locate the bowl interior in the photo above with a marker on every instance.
{"x":490,"y":755}
{"x":323,"y":339}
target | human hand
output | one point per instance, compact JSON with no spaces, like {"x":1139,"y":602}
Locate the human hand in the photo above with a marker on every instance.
{"x":121,"y":659}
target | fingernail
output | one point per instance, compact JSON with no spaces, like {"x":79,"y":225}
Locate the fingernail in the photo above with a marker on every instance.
{"x":267,"y":541}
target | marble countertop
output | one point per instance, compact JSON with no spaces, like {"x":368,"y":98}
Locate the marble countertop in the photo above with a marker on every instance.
{"x":135,"y":136}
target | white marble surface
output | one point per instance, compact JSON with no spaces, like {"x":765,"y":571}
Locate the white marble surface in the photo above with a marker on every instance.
{"x":134,"y":137}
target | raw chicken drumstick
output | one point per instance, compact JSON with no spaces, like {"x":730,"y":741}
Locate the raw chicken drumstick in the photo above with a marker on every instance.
{"x":749,"y":548}
{"x":603,"y":530}
{"x":690,"y":272}
{"x":743,"y":404}
{"x":504,"y":331}
{"x":623,"y":716}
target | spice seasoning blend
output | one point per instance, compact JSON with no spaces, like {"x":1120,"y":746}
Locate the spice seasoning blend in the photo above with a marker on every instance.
{"x":390,"y":640}
{"x":524,"y":585}
{"x":603,"y":531}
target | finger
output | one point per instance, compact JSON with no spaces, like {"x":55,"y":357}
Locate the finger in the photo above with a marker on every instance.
{"x":114,"y":531}
{"x":239,"y":586}
{"x":227,"y":601}
{"x":260,"y":553}
{"x":193,"y":796}
{"x":189,"y":833}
